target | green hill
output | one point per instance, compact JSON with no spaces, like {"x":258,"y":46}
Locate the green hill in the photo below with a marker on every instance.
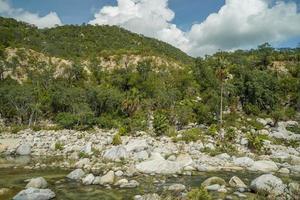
{"x":85,"y":41}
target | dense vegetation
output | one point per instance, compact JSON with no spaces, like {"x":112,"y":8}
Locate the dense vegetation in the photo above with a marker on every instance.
{"x":85,"y":41}
{"x":261,"y":82}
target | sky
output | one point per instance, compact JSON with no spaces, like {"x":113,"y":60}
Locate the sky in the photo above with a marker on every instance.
{"x":197,"y":27}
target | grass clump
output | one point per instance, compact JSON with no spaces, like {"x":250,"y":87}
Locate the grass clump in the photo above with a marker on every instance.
{"x":117,"y":139}
{"x":59,"y":146}
{"x":199,"y":194}
{"x":256,"y":142}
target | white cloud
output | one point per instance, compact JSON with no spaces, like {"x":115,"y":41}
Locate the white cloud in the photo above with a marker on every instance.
{"x":49,"y":20}
{"x":149,"y":17}
{"x":245,"y":24}
{"x":238,"y":24}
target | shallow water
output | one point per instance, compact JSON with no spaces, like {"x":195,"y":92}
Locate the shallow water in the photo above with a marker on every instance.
{"x":13,"y":178}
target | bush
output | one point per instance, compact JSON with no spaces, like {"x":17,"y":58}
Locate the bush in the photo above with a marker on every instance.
{"x":256,"y":142}
{"x":199,"y":194}
{"x":160,"y":124}
{"x":66,"y":120}
{"x":251,"y":109}
{"x":107,"y":121}
{"x":230,"y":135}
{"x":192,"y":135}
{"x":117,"y":139}
{"x":213,"y":130}
{"x":59,"y":146}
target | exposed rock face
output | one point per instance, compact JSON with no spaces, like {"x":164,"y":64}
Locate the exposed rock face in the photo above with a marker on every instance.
{"x":116,"y":153}
{"x":269,"y":184}
{"x":212,"y":181}
{"x":264,"y":166}
{"x":88,"y":180}
{"x":157,"y":164}
{"x":77,"y":174}
{"x":35,"y":194}
{"x":237,"y":182}
{"x":24,"y":150}
{"x":39,"y":182}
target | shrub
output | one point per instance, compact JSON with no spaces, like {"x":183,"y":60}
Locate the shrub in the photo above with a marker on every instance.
{"x":199,"y":194}
{"x":230,"y":135}
{"x":213,"y":130}
{"x":160,"y":124}
{"x":59,"y":146}
{"x":192,"y":135}
{"x":107,"y":121}
{"x":117,"y":139}
{"x":256,"y":142}
{"x":66,"y":120}
{"x":251,"y":109}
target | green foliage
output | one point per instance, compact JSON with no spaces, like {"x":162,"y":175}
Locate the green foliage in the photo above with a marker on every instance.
{"x":59,"y":146}
{"x":199,"y":194}
{"x":192,"y":135}
{"x":117,"y":139}
{"x":230,"y":134}
{"x":213,"y":130}
{"x":160,"y":124}
{"x":86,"y":94}
{"x":256,"y":142}
{"x":66,"y":120}
{"x":295,"y":129}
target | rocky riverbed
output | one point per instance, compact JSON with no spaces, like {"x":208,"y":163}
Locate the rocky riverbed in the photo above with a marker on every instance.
{"x":87,"y":164}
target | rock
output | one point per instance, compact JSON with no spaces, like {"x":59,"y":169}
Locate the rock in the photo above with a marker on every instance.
{"x":24,"y":150}
{"x":269,"y":184}
{"x":88,"y":180}
{"x":130,"y":184}
{"x":213,"y":180}
{"x":157,"y":164}
{"x":237,"y":182}
{"x":295,"y":160}
{"x":97,"y":180}
{"x":107,"y":178}
{"x":172,"y":158}
{"x":142,"y":155}
{"x":264,"y":166}
{"x":119,"y":173}
{"x":116,"y":153}
{"x":240,"y":195}
{"x":223,"y":156}
{"x":136,"y":145}
{"x":284,"y":171}
{"x":147,"y":197}
{"x":34,"y":194}
{"x":295,"y":168}
{"x":87,"y":149}
{"x":294,"y":189}
{"x":176,"y":187}
{"x":213,"y":187}
{"x":77,"y":174}
{"x":121,"y":182}
{"x":82,"y":162}
{"x":184,"y":160}
{"x":39,"y":182}
{"x":243,"y":162}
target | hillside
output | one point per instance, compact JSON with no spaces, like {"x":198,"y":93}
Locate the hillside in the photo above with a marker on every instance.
{"x":85,"y":41}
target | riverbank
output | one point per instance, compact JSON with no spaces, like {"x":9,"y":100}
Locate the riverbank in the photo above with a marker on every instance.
{"x":126,"y":166}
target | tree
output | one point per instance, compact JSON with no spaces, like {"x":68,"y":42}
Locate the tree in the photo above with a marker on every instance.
{"x":222,"y":74}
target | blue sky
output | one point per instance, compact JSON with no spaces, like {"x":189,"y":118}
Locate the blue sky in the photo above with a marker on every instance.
{"x":187,"y":24}
{"x":82,"y":11}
